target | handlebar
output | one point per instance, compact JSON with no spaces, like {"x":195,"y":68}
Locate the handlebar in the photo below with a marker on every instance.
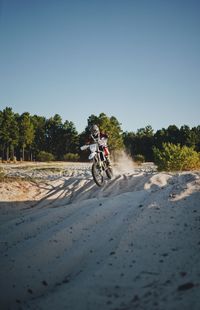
{"x":84,"y":147}
{"x":102,"y":142}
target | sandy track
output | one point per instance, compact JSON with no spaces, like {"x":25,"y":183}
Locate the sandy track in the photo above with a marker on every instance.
{"x":134,"y":244}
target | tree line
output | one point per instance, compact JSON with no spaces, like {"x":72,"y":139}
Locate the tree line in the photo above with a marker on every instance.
{"x":27,"y":137}
{"x":144,"y":141}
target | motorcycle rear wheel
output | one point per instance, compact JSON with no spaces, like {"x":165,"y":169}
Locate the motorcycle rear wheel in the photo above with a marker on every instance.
{"x":97,"y":174}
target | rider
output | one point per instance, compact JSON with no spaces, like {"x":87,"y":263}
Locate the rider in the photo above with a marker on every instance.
{"x":98,"y":136}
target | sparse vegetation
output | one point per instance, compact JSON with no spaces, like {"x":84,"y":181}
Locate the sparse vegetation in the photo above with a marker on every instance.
{"x":2,"y":175}
{"x":9,"y":179}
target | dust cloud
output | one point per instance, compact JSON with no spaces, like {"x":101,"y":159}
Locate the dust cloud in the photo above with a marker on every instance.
{"x":123,"y":163}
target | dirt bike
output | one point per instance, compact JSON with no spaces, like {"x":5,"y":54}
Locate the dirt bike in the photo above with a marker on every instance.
{"x":101,"y":165}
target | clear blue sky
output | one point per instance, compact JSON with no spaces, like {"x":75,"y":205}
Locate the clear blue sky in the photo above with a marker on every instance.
{"x":138,"y":60}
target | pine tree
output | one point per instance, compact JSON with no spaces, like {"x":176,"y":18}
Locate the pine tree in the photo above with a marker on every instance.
{"x":39,"y":123}
{"x":9,"y":133}
{"x":53,"y":130}
{"x":70,"y":141}
{"x":26,"y":132}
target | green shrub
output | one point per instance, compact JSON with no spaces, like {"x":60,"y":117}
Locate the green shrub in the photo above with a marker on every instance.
{"x":139,"y":158}
{"x":176,"y":158}
{"x":2,"y":175}
{"x":45,"y":156}
{"x":71,"y":157}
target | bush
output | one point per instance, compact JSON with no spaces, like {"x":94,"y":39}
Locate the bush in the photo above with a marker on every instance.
{"x":139,"y":158}
{"x":176,"y":158}
{"x":71,"y":157}
{"x":45,"y":156}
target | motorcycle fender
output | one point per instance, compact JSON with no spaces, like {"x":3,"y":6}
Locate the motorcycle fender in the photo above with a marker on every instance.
{"x":92,"y":155}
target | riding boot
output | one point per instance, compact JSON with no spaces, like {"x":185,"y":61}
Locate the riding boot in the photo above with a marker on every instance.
{"x":108,"y":161}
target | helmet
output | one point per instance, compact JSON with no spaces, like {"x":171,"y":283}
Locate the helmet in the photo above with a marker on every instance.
{"x":94,"y":130}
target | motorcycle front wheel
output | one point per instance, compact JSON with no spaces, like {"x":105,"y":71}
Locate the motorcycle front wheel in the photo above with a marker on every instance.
{"x":97,"y":174}
{"x":109,"y":173}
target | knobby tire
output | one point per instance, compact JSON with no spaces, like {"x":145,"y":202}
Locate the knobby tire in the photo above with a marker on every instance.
{"x":97,"y":176}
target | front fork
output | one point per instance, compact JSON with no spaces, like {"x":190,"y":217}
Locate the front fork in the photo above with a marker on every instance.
{"x":100,"y":164}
